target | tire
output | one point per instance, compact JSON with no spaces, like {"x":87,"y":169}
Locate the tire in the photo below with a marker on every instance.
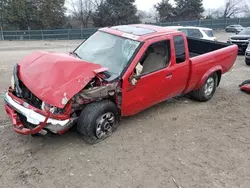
{"x":205,"y":94}
{"x":247,"y":61}
{"x":98,"y":121}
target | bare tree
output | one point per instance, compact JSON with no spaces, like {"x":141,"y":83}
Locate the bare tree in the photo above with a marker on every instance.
{"x":232,"y":8}
{"x":82,"y":10}
{"x":212,"y":13}
{"x":246,"y":9}
{"x":97,"y":3}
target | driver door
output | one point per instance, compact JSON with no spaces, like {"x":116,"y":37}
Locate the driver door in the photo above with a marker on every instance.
{"x":154,"y":84}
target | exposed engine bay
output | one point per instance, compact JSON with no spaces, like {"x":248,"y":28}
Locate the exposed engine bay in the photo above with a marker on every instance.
{"x":96,"y":90}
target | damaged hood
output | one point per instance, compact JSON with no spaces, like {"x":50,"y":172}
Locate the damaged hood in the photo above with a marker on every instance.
{"x":55,"y":78}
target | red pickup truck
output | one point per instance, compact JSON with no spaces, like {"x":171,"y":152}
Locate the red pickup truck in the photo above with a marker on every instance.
{"x":118,"y":71}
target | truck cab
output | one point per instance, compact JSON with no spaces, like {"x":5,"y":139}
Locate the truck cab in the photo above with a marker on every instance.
{"x":164,"y":62}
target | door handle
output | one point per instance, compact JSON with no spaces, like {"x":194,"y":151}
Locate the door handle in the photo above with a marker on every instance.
{"x":169,"y":75}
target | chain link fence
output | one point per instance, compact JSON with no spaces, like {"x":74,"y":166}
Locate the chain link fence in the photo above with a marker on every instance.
{"x":57,"y":34}
{"x":211,"y":23}
{"x":70,"y":34}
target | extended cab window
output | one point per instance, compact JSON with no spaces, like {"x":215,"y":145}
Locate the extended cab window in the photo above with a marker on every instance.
{"x":179,"y":46}
{"x":156,"y":57}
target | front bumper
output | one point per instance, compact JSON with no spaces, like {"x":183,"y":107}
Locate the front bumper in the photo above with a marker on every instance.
{"x":39,"y":122}
{"x":247,"y":54}
{"x":242,"y":46}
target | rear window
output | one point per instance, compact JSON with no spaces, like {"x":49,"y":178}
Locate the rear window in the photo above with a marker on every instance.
{"x":209,"y":33}
{"x":179,"y":46}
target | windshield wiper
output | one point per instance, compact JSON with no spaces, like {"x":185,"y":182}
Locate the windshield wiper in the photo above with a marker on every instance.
{"x":76,"y":54}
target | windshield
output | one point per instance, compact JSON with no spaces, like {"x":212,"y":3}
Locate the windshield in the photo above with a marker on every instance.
{"x":245,"y":32}
{"x":209,"y":32}
{"x":109,"y":51}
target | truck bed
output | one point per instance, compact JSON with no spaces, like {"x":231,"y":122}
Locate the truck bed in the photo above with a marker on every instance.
{"x":200,"y":46}
{"x":207,"y":57}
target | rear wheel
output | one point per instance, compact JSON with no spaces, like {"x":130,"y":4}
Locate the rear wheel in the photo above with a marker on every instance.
{"x":206,"y":92}
{"x":98,"y":121}
{"x":247,"y":61}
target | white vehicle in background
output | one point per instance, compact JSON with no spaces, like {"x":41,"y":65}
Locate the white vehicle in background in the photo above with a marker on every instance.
{"x":247,"y":55}
{"x":197,"y":32}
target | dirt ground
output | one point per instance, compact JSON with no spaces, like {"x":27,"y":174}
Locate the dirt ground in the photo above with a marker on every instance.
{"x":179,"y":142}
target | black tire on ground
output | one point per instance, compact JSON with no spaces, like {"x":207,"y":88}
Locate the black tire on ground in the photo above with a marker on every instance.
{"x":204,"y":94}
{"x":247,"y":61}
{"x":98,"y":121}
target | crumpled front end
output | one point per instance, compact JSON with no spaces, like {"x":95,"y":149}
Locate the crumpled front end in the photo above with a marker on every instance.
{"x":32,"y":115}
{"x":27,"y":119}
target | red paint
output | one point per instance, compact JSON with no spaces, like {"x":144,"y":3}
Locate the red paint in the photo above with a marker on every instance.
{"x":190,"y":75}
{"x":245,"y":88}
{"x":18,"y":125}
{"x":204,"y":65}
{"x":52,"y":77}
{"x":159,"y":31}
{"x":61,"y":132}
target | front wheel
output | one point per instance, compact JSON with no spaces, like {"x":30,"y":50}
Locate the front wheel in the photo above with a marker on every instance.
{"x":206,"y":92}
{"x":98,"y":121}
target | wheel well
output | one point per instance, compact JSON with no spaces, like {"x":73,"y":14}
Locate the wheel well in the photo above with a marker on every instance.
{"x":219,"y":77}
{"x":117,"y":102}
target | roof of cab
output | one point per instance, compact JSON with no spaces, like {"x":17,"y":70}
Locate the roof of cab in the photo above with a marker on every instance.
{"x":139,"y":32}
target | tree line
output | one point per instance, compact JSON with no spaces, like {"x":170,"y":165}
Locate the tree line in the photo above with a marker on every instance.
{"x":25,"y":14}
{"x":52,"y":14}
{"x":193,"y":9}
{"x":183,"y":10}
{"x":46,"y":14}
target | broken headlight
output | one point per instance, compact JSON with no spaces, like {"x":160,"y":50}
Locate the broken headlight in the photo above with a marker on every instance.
{"x":48,"y":108}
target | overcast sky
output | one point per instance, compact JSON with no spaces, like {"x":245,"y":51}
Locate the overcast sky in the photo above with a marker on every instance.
{"x":146,"y":5}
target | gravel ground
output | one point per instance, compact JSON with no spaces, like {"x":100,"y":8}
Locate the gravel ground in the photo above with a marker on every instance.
{"x":179,"y":142}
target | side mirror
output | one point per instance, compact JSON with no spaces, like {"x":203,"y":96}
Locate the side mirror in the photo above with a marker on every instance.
{"x":137,"y":75}
{"x":134,"y":79}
